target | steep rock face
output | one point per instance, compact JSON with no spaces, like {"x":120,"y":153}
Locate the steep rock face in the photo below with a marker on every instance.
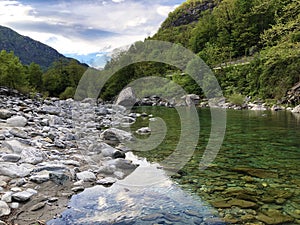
{"x":188,"y":12}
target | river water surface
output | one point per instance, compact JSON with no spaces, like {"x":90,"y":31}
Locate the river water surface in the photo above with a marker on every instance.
{"x":254,"y":179}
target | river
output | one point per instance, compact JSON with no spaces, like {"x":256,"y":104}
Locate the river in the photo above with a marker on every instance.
{"x":254,"y":178}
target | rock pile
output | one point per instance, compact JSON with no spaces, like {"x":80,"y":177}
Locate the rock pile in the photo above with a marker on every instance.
{"x":51,"y":149}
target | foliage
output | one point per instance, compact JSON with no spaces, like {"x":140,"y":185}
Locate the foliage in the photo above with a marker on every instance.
{"x":237,"y":99}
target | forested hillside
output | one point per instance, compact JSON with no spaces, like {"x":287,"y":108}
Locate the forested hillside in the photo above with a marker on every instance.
{"x":263,"y":33}
{"x":30,"y":66}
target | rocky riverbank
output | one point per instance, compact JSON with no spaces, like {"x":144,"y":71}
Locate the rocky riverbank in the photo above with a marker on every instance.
{"x":52,"y":149}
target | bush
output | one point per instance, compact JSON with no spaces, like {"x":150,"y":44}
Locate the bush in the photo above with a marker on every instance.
{"x":237,"y":99}
{"x":68,"y":93}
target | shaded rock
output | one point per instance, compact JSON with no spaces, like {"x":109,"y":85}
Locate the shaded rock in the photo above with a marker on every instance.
{"x":5,"y":114}
{"x":116,"y":135}
{"x":17,"y":121}
{"x":118,"y":154}
{"x":126,"y":97}
{"x":191,"y":99}
{"x":4,"y":209}
{"x":11,"y":158}
{"x":19,"y":133}
{"x":274,"y":217}
{"x":59,"y":178}
{"x":86,"y":176}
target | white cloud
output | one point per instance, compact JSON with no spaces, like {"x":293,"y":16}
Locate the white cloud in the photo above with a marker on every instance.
{"x":80,"y":26}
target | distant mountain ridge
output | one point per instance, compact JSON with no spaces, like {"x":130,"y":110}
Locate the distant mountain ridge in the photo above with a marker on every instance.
{"x":27,"y":49}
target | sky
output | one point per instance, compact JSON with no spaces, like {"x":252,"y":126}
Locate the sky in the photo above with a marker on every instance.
{"x":86,"y":29}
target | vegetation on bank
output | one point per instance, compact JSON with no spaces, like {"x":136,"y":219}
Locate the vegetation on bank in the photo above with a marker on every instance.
{"x":266,"y":33}
{"x":60,"y":80}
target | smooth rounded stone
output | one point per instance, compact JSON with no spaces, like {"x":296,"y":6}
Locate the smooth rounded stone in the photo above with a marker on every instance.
{"x":143,"y":130}
{"x":19,"y":133}
{"x":59,"y":178}
{"x":2,"y":183}
{"x":172,"y":218}
{"x":5,"y":114}
{"x":7,"y":197}
{"x":106,"y":181}
{"x":4,"y":209}
{"x":107,"y":169}
{"x":13,"y":145}
{"x":40,"y":177}
{"x":23,"y":196}
{"x":12,"y":170}
{"x":16,"y":189}
{"x":17,"y":121}
{"x":86,"y":176}
{"x":14,"y":205}
{"x":11,"y":158}
{"x":38,"y":206}
{"x":116,"y":135}
{"x":52,"y":199}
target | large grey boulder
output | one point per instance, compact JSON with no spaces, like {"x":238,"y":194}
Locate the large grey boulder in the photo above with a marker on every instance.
{"x":126,"y":97}
{"x":17,"y":121}
{"x":12,"y":170}
{"x":116,"y":135}
{"x":86,"y":176}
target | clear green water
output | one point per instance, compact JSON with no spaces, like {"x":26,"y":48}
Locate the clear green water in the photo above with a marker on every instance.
{"x":259,"y":162}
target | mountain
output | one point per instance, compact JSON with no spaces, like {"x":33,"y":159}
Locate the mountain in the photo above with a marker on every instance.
{"x":27,"y":49}
{"x":253,"y":47}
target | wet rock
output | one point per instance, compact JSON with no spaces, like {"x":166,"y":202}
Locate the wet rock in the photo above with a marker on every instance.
{"x":86,"y":176}
{"x":4,"y":209}
{"x":233,"y":202}
{"x":260,"y":173}
{"x":152,"y":217}
{"x":11,"y":158}
{"x":5,"y":114}
{"x":273,"y":217}
{"x":17,"y":121}
{"x":126,"y":97}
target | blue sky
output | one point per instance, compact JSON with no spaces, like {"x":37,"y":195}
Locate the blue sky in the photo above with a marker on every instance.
{"x":83,"y":27}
